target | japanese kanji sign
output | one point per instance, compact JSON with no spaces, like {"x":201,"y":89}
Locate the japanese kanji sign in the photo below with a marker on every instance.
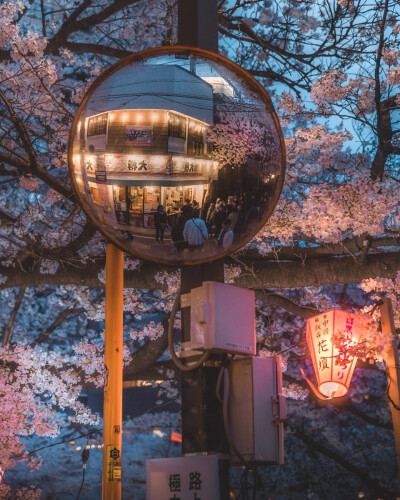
{"x":113,"y":463}
{"x":186,"y":478}
{"x":139,"y":135}
{"x":332,"y":376}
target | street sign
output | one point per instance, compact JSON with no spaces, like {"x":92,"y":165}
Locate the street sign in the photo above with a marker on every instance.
{"x":177,"y":160}
{"x":113,"y":463}
{"x":186,"y":478}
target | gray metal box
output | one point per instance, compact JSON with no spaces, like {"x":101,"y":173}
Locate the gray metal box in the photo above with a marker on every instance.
{"x":257,"y":409}
{"x":222,"y":317}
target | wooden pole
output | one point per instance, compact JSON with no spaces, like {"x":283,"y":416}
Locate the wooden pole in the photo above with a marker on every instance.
{"x":112,"y":414}
{"x":393,"y":373}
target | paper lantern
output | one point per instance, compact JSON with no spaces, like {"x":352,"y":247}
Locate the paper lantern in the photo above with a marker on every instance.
{"x":333,"y":374}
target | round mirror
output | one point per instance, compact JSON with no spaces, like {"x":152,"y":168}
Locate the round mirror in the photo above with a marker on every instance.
{"x":177,"y":155}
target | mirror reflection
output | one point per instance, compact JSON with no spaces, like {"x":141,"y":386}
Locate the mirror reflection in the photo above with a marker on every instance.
{"x":177,"y":157}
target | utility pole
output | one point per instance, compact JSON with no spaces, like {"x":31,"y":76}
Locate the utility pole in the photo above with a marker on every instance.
{"x":393,"y":372}
{"x":202,"y":418}
{"x":198,"y":24}
{"x":112,"y":415}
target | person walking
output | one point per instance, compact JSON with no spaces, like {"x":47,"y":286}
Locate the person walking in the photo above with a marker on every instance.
{"x":219,"y":217}
{"x":225,"y":238}
{"x":177,"y":235}
{"x":233,"y":217}
{"x":160,"y":223}
{"x":195,"y":231}
{"x":210,"y":216}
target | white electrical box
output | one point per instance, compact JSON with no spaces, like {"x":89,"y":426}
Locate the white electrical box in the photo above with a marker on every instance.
{"x":222,"y":317}
{"x":257,"y":409}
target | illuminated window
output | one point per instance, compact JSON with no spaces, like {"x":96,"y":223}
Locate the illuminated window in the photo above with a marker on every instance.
{"x":97,"y":125}
{"x":197,"y":148}
{"x":95,"y":194}
{"x":177,"y":126}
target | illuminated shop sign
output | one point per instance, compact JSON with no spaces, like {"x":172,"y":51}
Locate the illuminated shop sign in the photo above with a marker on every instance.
{"x":139,"y":135}
{"x":146,"y":165}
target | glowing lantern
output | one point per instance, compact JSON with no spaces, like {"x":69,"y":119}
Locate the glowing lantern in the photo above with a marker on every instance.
{"x":333,"y":374}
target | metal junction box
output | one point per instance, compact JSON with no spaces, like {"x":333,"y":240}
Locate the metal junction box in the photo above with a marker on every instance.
{"x":257,"y":409}
{"x":222,"y":317}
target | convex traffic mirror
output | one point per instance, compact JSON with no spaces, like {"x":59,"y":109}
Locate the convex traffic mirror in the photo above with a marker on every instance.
{"x":177,"y":155}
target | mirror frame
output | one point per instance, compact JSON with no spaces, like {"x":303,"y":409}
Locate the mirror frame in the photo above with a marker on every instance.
{"x":254,"y":86}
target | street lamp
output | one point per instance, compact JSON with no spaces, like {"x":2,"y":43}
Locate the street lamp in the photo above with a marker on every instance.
{"x":333,"y":367}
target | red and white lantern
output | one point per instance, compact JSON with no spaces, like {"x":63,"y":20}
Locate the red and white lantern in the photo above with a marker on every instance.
{"x":333,"y":375}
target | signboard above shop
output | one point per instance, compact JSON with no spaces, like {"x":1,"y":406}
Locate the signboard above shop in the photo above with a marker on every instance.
{"x":197,"y":136}
{"x":149,"y":165}
{"x":139,"y":135}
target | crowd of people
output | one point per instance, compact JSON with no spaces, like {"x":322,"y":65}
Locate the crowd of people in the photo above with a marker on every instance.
{"x":221,"y":221}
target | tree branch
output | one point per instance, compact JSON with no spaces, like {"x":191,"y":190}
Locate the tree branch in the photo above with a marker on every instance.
{"x":286,"y":304}
{"x":147,"y":355}
{"x":262,"y":274}
{"x":56,"y":323}
{"x":72,"y":24}
{"x":7,"y":335}
{"x":94,"y":48}
{"x":346,"y":464}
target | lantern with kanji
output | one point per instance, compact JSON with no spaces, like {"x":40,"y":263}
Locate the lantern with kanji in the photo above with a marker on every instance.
{"x":333,"y":366}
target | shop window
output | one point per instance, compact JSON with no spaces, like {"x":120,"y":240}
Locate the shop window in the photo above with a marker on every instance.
{"x":95,"y":195}
{"x":97,"y":125}
{"x":152,"y":198}
{"x":135,"y":196}
{"x":135,"y":205}
{"x":177,"y":126}
{"x":197,"y":148}
{"x":173,"y":199}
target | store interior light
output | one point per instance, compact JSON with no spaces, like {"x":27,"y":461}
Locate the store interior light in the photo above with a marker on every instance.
{"x":176,"y":437}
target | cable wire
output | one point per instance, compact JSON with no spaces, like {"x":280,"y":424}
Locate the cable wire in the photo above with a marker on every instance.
{"x":83,"y":479}
{"x":225,"y":411}
{"x":224,"y":374}
{"x":174,"y":357}
{"x":85,"y":457}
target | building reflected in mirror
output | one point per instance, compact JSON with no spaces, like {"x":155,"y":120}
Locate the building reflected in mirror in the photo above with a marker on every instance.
{"x":177,"y":157}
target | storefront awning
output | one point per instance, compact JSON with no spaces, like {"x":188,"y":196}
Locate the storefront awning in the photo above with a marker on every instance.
{"x":131,"y":180}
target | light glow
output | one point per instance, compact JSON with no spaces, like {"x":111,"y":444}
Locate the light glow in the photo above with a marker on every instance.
{"x":333,"y":375}
{"x":158,"y":433}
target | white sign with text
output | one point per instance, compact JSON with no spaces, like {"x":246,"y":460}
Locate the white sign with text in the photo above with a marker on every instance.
{"x":183,"y":478}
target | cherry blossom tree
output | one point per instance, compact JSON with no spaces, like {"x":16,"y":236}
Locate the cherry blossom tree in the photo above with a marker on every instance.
{"x":332,"y":70}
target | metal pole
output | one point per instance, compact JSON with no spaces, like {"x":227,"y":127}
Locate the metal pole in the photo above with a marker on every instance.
{"x":112,"y":414}
{"x":198,"y":24}
{"x":202,"y":415}
{"x":393,"y":373}
{"x":202,"y":419}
